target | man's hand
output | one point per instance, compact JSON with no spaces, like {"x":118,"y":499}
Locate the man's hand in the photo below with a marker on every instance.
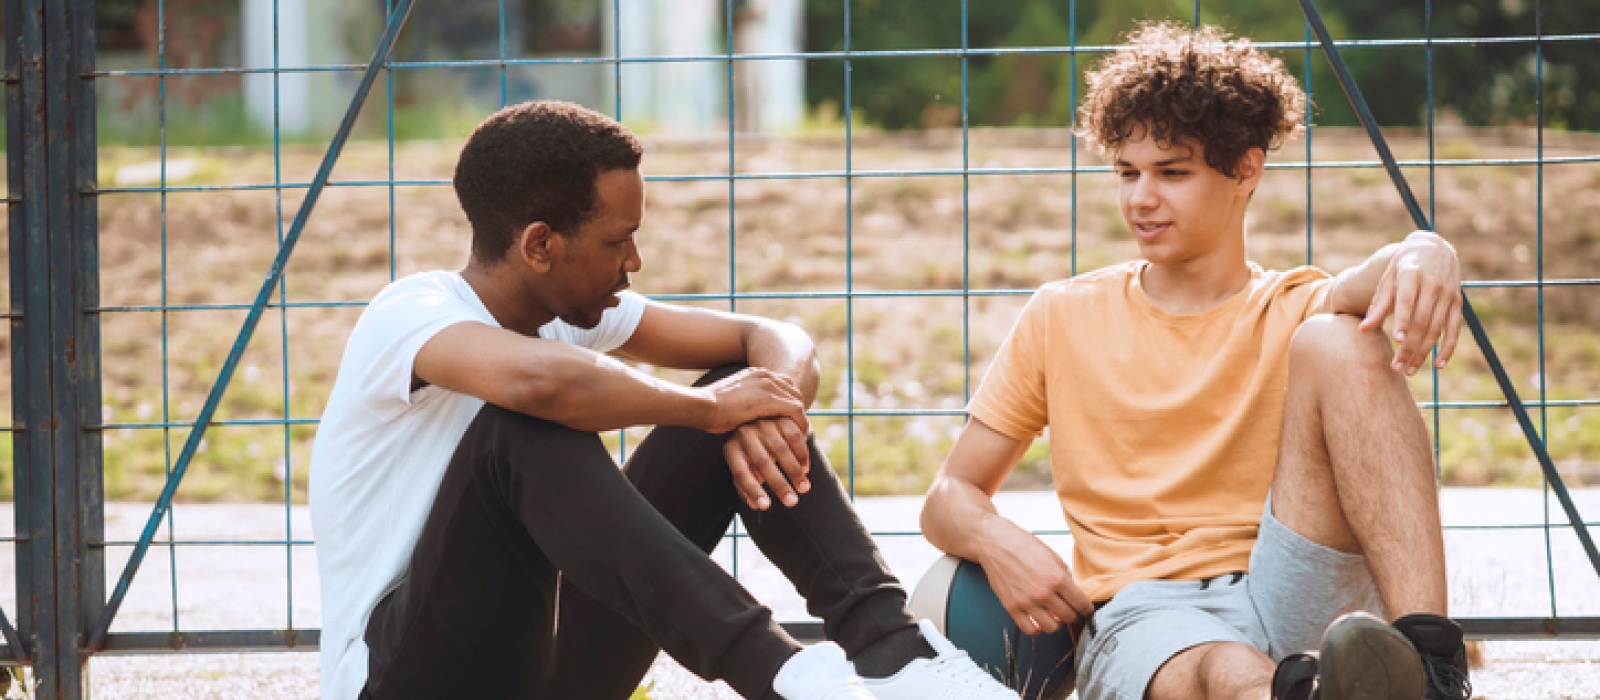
{"x":769,"y":451}
{"x":1421,"y":286}
{"x":959,"y":517}
{"x":1032,"y":582}
{"x":766,"y":412}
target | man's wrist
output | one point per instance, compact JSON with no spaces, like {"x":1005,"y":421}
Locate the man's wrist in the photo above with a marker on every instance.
{"x":701,"y":405}
{"x":991,"y":529}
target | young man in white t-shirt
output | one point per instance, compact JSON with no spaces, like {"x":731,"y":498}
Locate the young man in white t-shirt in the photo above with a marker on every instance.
{"x":458,"y":470}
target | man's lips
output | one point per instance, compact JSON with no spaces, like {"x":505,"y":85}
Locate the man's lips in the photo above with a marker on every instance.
{"x":1149,"y":230}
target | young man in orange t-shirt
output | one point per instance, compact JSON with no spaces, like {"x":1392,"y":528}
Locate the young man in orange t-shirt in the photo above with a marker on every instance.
{"x":1236,"y":450}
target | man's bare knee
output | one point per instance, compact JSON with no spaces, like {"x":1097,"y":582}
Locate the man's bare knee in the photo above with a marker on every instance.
{"x":1212,"y":670}
{"x":1336,"y":342}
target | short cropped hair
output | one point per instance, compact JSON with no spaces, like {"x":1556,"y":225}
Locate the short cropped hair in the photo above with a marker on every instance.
{"x":1176,"y":81}
{"x":537,"y":161}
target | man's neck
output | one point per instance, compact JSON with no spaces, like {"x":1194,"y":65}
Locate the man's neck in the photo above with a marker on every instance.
{"x":507,"y":299}
{"x":1195,"y":286}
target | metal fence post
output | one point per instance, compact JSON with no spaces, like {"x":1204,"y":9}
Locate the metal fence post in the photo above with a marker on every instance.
{"x":80,"y":484}
{"x":55,"y":281}
{"x":30,"y":338}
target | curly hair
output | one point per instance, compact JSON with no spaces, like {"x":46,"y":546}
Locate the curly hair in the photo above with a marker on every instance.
{"x":537,"y":161}
{"x":1172,"y":81}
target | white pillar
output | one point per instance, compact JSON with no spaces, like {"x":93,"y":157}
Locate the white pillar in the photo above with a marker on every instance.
{"x":293,"y":93}
{"x":780,"y":86}
{"x":685,"y":97}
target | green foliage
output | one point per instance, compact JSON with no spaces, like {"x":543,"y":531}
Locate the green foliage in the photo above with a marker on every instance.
{"x":1484,"y":84}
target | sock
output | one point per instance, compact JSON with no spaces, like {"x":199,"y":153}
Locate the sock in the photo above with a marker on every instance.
{"x":888,"y":655}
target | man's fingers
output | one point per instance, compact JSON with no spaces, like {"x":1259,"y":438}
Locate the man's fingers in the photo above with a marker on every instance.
{"x":1424,"y":331}
{"x":1079,"y":601}
{"x":797,"y":415}
{"x":1024,"y":622}
{"x":796,"y":441}
{"x":762,"y":463}
{"x":1452,"y":331}
{"x":1405,"y":297}
{"x":783,"y":455}
{"x":1044,"y":620}
{"x":1382,"y":301}
{"x":1062,"y":610}
{"x":744,"y":480}
{"x":1438,"y":319}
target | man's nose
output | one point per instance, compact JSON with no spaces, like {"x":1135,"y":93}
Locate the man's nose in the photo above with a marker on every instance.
{"x":1143,"y":195}
{"x":634,"y":261}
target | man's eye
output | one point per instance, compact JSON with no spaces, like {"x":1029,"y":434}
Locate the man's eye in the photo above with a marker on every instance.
{"x":1176,"y":173}
{"x":1128,"y":174}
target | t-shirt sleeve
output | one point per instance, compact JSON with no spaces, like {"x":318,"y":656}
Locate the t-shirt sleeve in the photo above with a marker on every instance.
{"x":1012,"y":397}
{"x":616,"y":326}
{"x":1306,"y":290}
{"x":383,"y":347}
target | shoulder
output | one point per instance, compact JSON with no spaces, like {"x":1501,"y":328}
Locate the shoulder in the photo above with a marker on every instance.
{"x":1089,"y":287}
{"x":427,"y":294}
{"x":424,"y":302}
{"x":1294,"y":277}
{"x":436,"y":284}
{"x":1302,"y":290}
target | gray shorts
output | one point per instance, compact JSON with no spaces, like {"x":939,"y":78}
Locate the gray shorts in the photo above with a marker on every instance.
{"x":1294,"y":589}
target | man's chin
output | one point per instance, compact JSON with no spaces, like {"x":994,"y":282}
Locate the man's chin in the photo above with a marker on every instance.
{"x":587,"y":324}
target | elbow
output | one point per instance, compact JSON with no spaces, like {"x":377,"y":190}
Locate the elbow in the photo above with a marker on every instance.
{"x":933,"y":506}
{"x":811,"y":367}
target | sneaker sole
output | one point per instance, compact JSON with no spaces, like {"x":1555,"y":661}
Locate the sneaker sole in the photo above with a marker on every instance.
{"x":1363,"y":658}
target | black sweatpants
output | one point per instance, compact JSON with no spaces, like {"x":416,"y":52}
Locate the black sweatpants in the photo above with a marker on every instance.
{"x":482,"y":612}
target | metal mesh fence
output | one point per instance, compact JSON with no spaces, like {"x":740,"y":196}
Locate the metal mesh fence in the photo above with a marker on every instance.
{"x":906,"y":253}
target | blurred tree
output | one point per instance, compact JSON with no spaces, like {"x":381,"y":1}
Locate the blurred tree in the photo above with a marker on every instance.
{"x":1485,"y":84}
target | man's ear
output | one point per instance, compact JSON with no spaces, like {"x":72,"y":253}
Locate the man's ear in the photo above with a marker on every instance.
{"x":1251,"y":166}
{"x":538,"y":246}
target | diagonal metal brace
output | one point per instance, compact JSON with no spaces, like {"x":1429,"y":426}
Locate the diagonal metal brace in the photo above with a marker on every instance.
{"x":1352,"y":91}
{"x":18,"y":651}
{"x":397,"y":19}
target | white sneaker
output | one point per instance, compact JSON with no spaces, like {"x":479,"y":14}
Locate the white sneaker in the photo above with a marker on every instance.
{"x":951,"y":676}
{"x":819,"y":672}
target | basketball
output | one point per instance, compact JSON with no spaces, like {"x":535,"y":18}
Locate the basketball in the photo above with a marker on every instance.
{"x":956,"y":596}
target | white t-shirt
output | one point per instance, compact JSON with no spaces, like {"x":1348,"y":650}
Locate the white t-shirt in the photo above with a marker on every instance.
{"x":382,"y":450}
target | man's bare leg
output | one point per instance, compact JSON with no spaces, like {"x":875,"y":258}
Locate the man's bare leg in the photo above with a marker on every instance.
{"x":1355,"y":469}
{"x":1355,"y":474}
{"x":1215,"y":671}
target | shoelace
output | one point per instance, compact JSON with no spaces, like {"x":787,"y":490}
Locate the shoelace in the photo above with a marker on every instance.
{"x":959,"y":667}
{"x":1448,"y":680}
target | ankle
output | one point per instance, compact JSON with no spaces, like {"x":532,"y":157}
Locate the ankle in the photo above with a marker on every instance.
{"x":1432,"y":634}
{"x":886,"y":656}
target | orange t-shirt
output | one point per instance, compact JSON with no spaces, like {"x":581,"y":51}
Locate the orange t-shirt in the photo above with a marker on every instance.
{"x":1163,"y":429}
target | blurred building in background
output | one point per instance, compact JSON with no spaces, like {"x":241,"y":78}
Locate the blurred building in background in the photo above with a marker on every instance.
{"x":659,"y":95}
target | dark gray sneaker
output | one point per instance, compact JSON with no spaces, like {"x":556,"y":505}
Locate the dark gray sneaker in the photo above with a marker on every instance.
{"x":1444,"y":654}
{"x":1362,"y":658}
{"x":1296,"y":678}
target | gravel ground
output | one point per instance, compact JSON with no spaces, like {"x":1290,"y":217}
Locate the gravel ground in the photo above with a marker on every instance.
{"x":1499,"y":573}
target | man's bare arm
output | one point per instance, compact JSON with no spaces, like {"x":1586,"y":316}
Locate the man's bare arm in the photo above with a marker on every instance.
{"x":582,"y":389}
{"x":1418,"y":280}
{"x":771,"y":450}
{"x":690,"y":338}
{"x":959,"y":517}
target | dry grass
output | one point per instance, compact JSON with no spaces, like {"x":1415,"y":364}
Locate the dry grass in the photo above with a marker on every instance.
{"x":904,"y":233}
